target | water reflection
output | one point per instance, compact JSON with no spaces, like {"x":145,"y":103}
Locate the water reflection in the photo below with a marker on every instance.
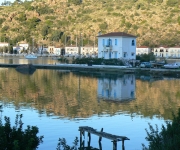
{"x":72,"y":95}
{"x":117,"y":89}
{"x":27,"y":69}
{"x":65,"y":100}
{"x":22,"y":60}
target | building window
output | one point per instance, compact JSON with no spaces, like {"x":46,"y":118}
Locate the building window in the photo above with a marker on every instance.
{"x":115,"y":41}
{"x":103,"y":42}
{"x":133,"y":43}
{"x":132,"y":54}
{"x":124,"y":54}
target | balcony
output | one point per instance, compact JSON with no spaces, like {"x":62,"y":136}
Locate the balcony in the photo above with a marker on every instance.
{"x":108,"y":48}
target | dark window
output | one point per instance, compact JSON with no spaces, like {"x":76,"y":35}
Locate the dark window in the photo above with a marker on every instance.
{"x":133,"y":43}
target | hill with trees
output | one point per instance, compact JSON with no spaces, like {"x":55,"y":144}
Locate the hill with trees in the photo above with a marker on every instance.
{"x":66,"y":22}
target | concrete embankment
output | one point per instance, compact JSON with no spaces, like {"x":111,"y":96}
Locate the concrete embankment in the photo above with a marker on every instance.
{"x":102,"y":68}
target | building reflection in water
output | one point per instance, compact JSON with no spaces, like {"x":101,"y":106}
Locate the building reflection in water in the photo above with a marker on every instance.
{"x":117,"y":89}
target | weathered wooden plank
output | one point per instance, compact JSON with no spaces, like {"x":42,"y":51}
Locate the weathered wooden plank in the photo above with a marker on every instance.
{"x":103,"y":134}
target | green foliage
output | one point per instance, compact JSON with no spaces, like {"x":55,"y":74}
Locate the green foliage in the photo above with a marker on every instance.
{"x":128,"y":24}
{"x":4,"y":29}
{"x":62,"y":144}
{"x":56,"y":36}
{"x":44,"y":10}
{"x":75,"y":2}
{"x":32,"y":23}
{"x":146,"y":57}
{"x":166,"y":139}
{"x":14,"y":138}
{"x":173,"y":2}
{"x":45,"y":30}
{"x":103,"y":26}
{"x":27,"y":5}
{"x":2,"y":20}
{"x":98,"y":61}
{"x":22,"y":17}
{"x":178,"y":20}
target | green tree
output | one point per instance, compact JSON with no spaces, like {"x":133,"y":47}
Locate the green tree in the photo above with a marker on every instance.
{"x":75,"y":2}
{"x":178,"y":20}
{"x":45,"y":31}
{"x":146,"y":57}
{"x":166,"y":139}
{"x":14,"y":138}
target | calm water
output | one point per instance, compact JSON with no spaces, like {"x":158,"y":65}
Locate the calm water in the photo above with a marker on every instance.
{"x":58,"y":102}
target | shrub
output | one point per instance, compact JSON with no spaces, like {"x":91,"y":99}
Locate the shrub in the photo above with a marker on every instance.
{"x":62,"y":143}
{"x":12,"y":138}
{"x":168,"y":138}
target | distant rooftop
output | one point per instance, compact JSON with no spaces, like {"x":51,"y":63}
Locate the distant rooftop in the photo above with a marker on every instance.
{"x":116,"y":34}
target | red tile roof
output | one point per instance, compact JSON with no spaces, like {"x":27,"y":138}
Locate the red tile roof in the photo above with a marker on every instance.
{"x":142,"y":47}
{"x":116,"y":34}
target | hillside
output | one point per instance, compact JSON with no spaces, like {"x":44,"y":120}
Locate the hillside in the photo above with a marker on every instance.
{"x":50,"y":22}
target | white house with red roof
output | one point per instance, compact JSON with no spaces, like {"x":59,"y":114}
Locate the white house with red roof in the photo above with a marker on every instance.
{"x":118,"y":45}
{"x":143,"y":50}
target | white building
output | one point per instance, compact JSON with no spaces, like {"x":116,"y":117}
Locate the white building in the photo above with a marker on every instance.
{"x":57,"y":51}
{"x":161,"y":51}
{"x":17,"y":49}
{"x":51,"y":49}
{"x":71,"y":50}
{"x":24,"y":45}
{"x":117,"y":45}
{"x":89,"y":51}
{"x":120,"y":89}
{"x":4,"y":44}
{"x":174,"y":52}
{"x":143,"y":50}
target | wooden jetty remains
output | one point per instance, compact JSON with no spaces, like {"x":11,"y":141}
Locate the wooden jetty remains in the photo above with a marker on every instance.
{"x":101,"y":134}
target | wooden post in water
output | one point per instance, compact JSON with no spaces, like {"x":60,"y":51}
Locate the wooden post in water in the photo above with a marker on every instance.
{"x":100,"y":138}
{"x":114,"y":145}
{"x":81,"y":143}
{"x":89,"y":139}
{"x":123,"y":148}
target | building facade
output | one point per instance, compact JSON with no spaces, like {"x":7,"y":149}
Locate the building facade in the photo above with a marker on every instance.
{"x":24,"y":45}
{"x":71,"y":50}
{"x":167,"y":52}
{"x":143,"y":50}
{"x":4,"y":44}
{"x":118,"y":45}
{"x":88,"y":51}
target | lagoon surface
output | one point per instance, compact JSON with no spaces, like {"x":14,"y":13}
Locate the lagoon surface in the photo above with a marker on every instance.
{"x":58,"y":102}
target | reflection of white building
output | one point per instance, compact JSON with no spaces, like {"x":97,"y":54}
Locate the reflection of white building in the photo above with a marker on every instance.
{"x":119,"y":89}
